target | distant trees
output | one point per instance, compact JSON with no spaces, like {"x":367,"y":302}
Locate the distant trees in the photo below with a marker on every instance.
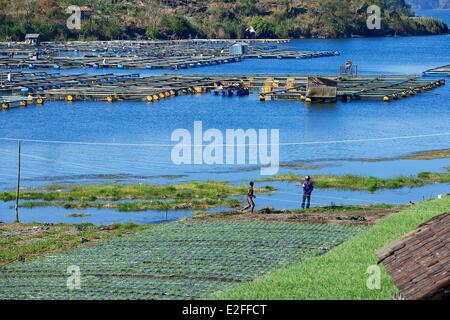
{"x":156,"y":19}
{"x":172,"y":27}
{"x":263,"y":27}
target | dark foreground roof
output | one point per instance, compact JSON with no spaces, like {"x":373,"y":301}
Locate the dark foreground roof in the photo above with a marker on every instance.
{"x":419,"y":262}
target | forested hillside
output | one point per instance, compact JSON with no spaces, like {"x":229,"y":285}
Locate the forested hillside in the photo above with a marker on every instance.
{"x":174,"y":19}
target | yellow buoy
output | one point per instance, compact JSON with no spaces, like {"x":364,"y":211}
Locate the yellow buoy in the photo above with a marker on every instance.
{"x":69,"y":98}
{"x":109,"y":99}
{"x":5,"y":106}
{"x":30,"y":97}
{"x":411,"y":93}
{"x":149,"y":98}
{"x":302,"y":98}
{"x":262,"y":97}
{"x":403,"y":94}
{"x":155,"y":97}
{"x":386,"y":99}
{"x":39,"y":100}
{"x":23,"y":103}
{"x":198,"y":90}
{"x":308,"y":100}
{"x":172,"y":92}
{"x":161,"y":95}
{"x":290,"y":83}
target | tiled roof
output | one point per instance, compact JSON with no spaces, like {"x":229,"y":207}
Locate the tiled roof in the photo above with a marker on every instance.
{"x":419,"y":262}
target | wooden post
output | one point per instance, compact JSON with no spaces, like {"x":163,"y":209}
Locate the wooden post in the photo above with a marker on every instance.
{"x":18,"y":183}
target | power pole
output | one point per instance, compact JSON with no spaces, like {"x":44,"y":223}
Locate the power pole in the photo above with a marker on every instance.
{"x":18,"y":183}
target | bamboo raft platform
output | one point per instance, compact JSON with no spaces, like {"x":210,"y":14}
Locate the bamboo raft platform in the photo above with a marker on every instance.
{"x":266,"y":52}
{"x":58,"y":63}
{"x":385,"y":88}
{"x":440,"y":71}
{"x":113,"y":87}
{"x":9,"y":102}
{"x":140,"y":54}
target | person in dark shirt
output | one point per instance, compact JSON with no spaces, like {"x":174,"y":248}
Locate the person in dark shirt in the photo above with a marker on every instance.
{"x":308,"y":188}
{"x":250,"y":197}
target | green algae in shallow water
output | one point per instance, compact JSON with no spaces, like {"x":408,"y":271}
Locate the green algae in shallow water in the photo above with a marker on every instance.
{"x":172,"y":261}
{"x":126,"y":192}
{"x":193,"y":195}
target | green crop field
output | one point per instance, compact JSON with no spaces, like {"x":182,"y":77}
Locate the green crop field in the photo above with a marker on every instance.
{"x":181,"y":260}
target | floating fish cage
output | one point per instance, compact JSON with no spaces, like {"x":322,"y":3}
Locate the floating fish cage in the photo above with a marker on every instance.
{"x":142,"y":54}
{"x":114,"y":87}
{"x":440,"y":71}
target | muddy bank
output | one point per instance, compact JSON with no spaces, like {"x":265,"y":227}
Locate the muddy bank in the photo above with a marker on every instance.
{"x":362,"y":216}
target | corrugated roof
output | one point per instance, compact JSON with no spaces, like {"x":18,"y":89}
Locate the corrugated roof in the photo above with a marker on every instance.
{"x":32,"y":35}
{"x":419,"y":262}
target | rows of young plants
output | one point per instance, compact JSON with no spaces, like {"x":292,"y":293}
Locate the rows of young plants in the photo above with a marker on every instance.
{"x":181,"y":260}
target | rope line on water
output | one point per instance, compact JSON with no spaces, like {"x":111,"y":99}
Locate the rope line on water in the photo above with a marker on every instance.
{"x":154,"y":164}
{"x":151,"y":145}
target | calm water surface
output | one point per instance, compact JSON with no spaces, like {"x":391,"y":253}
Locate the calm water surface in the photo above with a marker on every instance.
{"x":142,"y":123}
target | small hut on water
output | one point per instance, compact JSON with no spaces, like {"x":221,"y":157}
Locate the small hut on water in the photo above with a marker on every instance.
{"x":32,"y":39}
{"x":239,"y":49}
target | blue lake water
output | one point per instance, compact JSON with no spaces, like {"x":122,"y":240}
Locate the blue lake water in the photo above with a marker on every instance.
{"x":142,"y":123}
{"x":442,"y":14}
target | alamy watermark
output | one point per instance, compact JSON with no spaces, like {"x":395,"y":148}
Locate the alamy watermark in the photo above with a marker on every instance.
{"x":374,"y":279}
{"x":74,"y":280}
{"x":74,"y":21}
{"x":373,"y":21}
{"x":232,"y":147}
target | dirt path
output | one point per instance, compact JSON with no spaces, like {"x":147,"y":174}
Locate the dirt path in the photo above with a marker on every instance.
{"x":362,"y":217}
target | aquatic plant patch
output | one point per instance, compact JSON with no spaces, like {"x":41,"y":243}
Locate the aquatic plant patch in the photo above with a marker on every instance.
{"x":125,"y":198}
{"x":209,"y":189}
{"x":139,"y":205}
{"x":354,"y":182}
{"x":181,"y":260}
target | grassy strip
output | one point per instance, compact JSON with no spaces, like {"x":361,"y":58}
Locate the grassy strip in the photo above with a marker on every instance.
{"x":341,"y":273}
{"x":421,"y":155}
{"x":22,"y":241}
{"x":428,"y":155}
{"x":353,"y":182}
{"x":195,"y":204}
{"x":193,"y":190}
